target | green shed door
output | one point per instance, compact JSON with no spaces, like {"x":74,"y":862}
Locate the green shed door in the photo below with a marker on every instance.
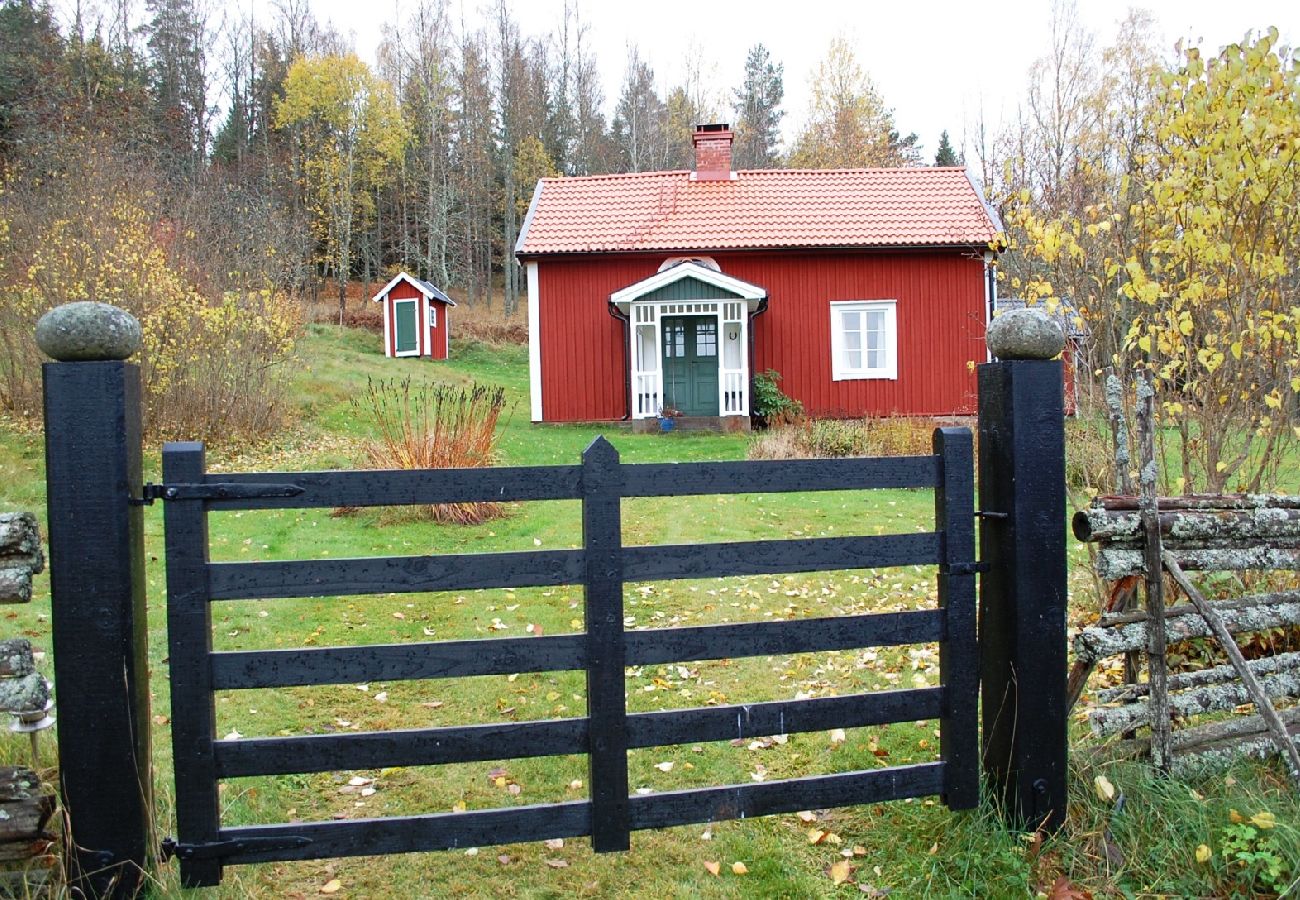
{"x":404,"y":324}
{"x":691,"y":364}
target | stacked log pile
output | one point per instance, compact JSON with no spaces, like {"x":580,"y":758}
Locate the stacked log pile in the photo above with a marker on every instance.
{"x":1221,"y":533}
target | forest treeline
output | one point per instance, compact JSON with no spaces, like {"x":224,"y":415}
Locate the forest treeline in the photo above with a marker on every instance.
{"x":211,"y":175}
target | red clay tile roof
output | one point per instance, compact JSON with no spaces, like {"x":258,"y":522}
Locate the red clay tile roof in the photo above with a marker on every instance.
{"x":769,"y":208}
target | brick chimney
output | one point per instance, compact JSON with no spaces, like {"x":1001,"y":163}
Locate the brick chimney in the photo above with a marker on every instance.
{"x":712,"y":152}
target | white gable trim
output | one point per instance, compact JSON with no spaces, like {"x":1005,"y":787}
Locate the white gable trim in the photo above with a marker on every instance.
{"x":413,"y":282}
{"x":742,"y":289}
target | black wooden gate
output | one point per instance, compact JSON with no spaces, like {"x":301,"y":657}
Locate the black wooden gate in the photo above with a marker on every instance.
{"x":602,"y":566}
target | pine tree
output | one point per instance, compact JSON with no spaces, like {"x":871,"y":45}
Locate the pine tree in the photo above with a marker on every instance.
{"x":758,"y":111}
{"x":945,"y":155}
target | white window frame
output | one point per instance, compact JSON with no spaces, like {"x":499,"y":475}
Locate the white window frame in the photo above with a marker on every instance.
{"x":840,"y":370}
{"x":433,"y":316}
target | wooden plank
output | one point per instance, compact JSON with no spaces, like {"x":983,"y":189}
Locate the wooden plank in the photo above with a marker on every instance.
{"x":414,"y":834}
{"x":397,"y":662}
{"x":741,"y":722}
{"x":744,"y":801}
{"x":399,"y":747}
{"x":407,"y":487}
{"x":777,"y":557}
{"x":394,"y":574}
{"x":602,"y":532}
{"x":773,"y":476}
{"x":954,"y":516}
{"x":189,"y":635}
{"x":664,"y":645}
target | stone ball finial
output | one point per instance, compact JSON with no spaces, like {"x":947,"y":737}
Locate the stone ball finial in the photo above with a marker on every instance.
{"x":1026,"y":333}
{"x":88,"y":330}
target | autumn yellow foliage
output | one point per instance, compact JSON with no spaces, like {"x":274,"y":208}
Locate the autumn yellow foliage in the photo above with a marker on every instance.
{"x":211,"y":366}
{"x":1191,"y":259}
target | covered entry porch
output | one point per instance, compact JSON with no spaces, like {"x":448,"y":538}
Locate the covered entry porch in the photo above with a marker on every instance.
{"x":688,"y":342}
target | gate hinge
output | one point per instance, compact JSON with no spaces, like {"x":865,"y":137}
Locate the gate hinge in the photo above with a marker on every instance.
{"x":215,"y":490}
{"x":989,"y":514}
{"x":220,"y":849}
{"x":967,"y":568}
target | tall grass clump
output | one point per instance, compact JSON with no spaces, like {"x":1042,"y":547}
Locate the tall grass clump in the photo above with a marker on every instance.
{"x":424,"y":426}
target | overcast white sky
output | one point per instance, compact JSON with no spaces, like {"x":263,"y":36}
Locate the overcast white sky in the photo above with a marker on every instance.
{"x":936,"y":62}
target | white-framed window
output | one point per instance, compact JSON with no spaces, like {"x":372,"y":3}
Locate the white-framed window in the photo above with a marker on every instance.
{"x":864,"y":339}
{"x":433,"y":316}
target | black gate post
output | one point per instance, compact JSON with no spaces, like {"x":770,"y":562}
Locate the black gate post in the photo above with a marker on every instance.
{"x":1023,"y":591}
{"x":96,"y":533}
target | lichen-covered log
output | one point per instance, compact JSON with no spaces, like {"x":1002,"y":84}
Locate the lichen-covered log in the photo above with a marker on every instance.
{"x":20,"y":542}
{"x":23,"y":694}
{"x":1216,"y":755}
{"x":25,"y":807}
{"x":1211,"y":698}
{"x":1183,"y":623}
{"x":1114,"y":563}
{"x":1097,"y":524}
{"x":1268,"y":665}
{"x":1203,"y":501}
{"x":16,"y":658}
{"x":15,"y":585}
{"x":1218,"y":737}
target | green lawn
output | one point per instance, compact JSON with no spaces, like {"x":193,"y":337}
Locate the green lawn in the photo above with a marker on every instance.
{"x":911,"y":848}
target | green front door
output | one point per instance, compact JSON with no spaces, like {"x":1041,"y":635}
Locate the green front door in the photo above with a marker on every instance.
{"x":404,"y":315}
{"x":691,"y":364}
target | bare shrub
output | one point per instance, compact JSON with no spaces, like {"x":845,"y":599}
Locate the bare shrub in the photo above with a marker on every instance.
{"x":423,"y":426}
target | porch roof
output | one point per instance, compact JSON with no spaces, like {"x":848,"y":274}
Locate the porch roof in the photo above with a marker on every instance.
{"x":718,"y":286}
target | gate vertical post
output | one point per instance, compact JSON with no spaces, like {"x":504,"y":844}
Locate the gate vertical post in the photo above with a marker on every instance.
{"x":100,"y":637}
{"x":602,"y":542}
{"x":1023,"y":590}
{"x":954,"y":505}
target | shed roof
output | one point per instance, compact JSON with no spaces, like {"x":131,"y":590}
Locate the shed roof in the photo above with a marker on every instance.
{"x":771,"y":208}
{"x":424,"y":287}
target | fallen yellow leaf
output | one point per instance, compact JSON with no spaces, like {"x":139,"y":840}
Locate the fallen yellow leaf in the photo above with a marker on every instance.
{"x":1235,"y":817}
{"x":807,"y":816}
{"x":713,"y":866}
{"x":331,"y":887}
{"x":1264,"y":820}
{"x":1105,"y":790}
{"x":840,"y":871}
{"x":837,"y":736}
{"x":1203,"y":854}
{"x":816,"y":836}
{"x":739,"y":868}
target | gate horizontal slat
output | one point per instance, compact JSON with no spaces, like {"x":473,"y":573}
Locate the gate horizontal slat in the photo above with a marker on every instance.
{"x":764,"y":476}
{"x":394,"y":574}
{"x":236,"y":670}
{"x":744,"y":721}
{"x":660,"y":562}
{"x":407,"y":747}
{"x":414,"y":834}
{"x":666,"y":645}
{"x":741,"y":722}
{"x":743,"y":801}
{"x":406,"y":487}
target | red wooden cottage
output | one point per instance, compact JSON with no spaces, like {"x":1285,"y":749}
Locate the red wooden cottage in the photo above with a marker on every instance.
{"x":868,"y":290}
{"x":415,"y":318}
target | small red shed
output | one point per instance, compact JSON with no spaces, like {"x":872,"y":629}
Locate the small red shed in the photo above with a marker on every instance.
{"x":868,"y":290}
{"x":416,"y":322}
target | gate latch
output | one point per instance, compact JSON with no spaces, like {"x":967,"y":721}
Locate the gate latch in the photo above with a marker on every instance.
{"x":215,"y":490}
{"x":221,"y":849}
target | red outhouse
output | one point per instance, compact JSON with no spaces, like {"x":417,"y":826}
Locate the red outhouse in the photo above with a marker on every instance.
{"x":416,"y":321}
{"x":868,"y":290}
